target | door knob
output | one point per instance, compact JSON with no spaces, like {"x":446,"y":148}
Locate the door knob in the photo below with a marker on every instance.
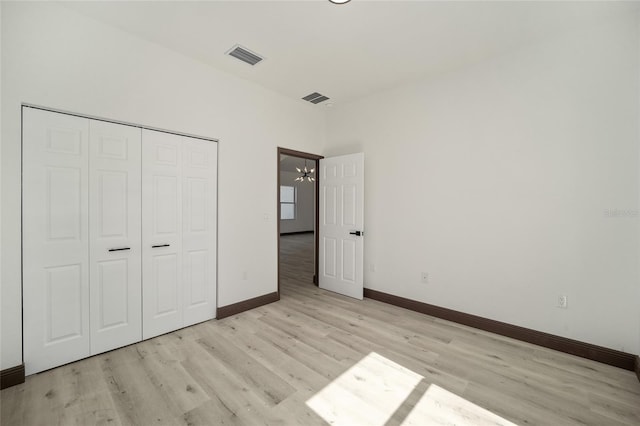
{"x":356,"y":233}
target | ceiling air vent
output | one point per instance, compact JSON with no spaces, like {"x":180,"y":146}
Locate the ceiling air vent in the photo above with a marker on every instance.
{"x":315,"y":98}
{"x":245,"y":55}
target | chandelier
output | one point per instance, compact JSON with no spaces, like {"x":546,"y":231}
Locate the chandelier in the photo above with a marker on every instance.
{"x":305,"y":174}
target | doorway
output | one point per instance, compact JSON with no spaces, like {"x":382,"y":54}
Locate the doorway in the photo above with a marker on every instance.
{"x":298,"y":217}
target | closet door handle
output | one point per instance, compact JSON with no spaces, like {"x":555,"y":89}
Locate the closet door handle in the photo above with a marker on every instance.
{"x":120,"y":249}
{"x":161,"y":245}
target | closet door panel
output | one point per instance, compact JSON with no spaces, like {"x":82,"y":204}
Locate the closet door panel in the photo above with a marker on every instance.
{"x":199,"y":177}
{"x":166,"y":279}
{"x":115,"y":223}
{"x":55,"y":239}
{"x":161,"y":233}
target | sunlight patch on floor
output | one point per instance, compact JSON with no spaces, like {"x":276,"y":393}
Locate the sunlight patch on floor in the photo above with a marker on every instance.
{"x":367,"y":393}
{"x":438,"y":406}
{"x":377,"y":391}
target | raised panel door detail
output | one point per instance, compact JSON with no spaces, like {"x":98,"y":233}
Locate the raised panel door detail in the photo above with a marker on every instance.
{"x":196,"y":204}
{"x":329,"y":171}
{"x":348,"y":260}
{"x":64,"y":141}
{"x":113,"y":286}
{"x":348,"y":205}
{"x":165,"y":278}
{"x":196,"y":277}
{"x":63,"y":203}
{"x":165,"y":206}
{"x":113,"y":207}
{"x":350,"y":170}
{"x":64,"y":303}
{"x":198,"y":158}
{"x":166,"y":155}
{"x":330,"y":205}
{"x":331,"y":256}
{"x":110,"y":147}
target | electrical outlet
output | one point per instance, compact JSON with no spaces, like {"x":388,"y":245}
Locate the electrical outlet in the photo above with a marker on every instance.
{"x":424,"y":278}
{"x":563,"y":301}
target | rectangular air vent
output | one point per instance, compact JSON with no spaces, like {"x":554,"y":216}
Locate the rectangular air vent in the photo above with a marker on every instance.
{"x":315,"y":98}
{"x":245,"y":55}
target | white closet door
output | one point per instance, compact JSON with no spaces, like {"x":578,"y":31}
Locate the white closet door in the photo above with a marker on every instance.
{"x":115,"y":246}
{"x":55,"y":239}
{"x":199,"y":180}
{"x":161,"y":233}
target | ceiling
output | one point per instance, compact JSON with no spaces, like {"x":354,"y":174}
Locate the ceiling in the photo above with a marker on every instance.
{"x":346,"y":51}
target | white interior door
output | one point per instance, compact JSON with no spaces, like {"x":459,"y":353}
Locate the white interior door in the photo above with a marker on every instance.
{"x":115,"y":246}
{"x":341,"y":224}
{"x":199,"y":201}
{"x":161,"y":233}
{"x":55,"y":239}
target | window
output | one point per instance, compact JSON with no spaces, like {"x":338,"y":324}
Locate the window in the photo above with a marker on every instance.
{"x":287,"y":202}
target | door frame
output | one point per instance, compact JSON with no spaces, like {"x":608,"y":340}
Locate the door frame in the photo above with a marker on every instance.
{"x":316,"y":160}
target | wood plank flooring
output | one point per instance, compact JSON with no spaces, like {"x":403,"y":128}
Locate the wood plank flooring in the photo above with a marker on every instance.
{"x":317,"y":358}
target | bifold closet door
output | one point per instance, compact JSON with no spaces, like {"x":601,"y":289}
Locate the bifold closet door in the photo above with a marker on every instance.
{"x":55,"y":239}
{"x":178,"y":231}
{"x":119,"y":235}
{"x":161,"y":233}
{"x":81,"y":218}
{"x":199,"y":206}
{"x":115,"y":228}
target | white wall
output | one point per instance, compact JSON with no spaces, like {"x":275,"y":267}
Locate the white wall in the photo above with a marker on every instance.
{"x":56,"y":58}
{"x":305,"y":204}
{"x":495,"y":180}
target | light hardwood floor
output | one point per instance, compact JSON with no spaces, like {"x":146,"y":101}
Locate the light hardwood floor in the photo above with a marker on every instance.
{"x":320,"y":358}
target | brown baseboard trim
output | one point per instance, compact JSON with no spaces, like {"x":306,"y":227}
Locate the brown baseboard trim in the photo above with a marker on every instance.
{"x":245,"y":305}
{"x":562,"y":344}
{"x":11,"y":376}
{"x":637,"y":367}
